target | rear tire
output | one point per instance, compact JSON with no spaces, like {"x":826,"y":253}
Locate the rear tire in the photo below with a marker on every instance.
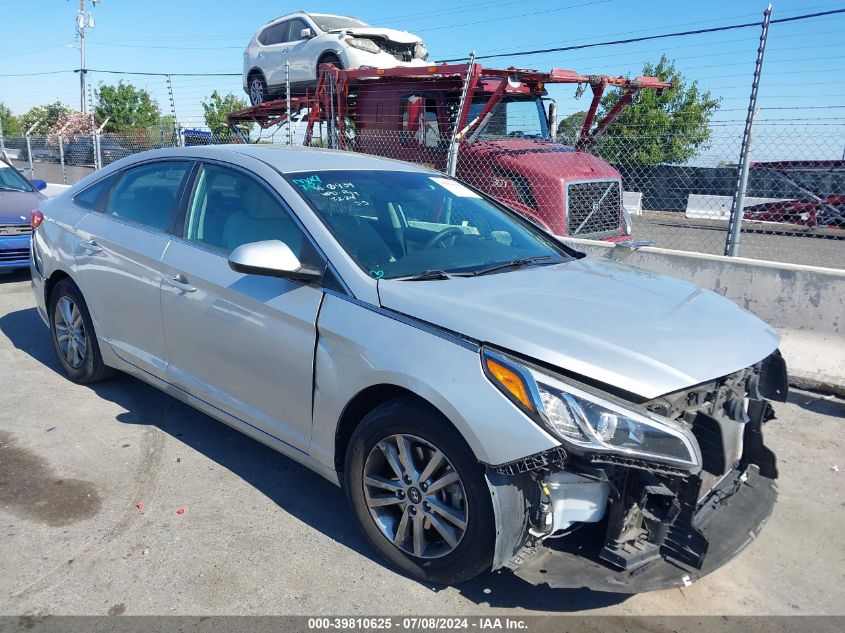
{"x":74,"y":339}
{"x":455,"y":523}
{"x":257,"y":89}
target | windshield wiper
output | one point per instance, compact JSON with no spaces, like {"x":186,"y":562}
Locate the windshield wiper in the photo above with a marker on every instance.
{"x":514,"y":263}
{"x":5,"y":188}
{"x":427,"y":275}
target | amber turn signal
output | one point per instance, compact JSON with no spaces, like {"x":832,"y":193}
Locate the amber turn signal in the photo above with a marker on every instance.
{"x":510,"y":381}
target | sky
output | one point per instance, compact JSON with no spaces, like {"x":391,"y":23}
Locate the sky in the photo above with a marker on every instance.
{"x":801,"y":89}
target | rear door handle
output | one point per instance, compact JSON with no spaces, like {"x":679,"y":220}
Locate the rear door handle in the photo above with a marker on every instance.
{"x":181,"y":282}
{"x":92,"y":247}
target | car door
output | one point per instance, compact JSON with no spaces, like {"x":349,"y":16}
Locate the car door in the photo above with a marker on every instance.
{"x":243,"y":343}
{"x":274,"y":53}
{"x":300,"y":55}
{"x":118,"y":259}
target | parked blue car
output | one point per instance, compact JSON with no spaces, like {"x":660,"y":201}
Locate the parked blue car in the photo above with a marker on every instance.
{"x":19,"y":197}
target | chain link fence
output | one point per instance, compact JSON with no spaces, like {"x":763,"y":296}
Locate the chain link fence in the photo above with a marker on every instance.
{"x":794,"y":209}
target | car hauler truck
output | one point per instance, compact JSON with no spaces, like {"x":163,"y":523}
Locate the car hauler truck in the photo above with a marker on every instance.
{"x":495,"y":129}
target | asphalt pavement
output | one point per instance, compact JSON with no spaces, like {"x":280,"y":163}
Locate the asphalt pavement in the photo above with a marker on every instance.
{"x":117,"y":499}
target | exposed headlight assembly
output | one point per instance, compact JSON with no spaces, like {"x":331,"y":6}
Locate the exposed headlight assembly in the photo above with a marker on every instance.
{"x":589,"y":421}
{"x":364,"y":44}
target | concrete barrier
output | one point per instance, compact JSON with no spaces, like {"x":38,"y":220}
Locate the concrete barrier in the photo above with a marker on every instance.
{"x":806,"y":304}
{"x":717,"y":207}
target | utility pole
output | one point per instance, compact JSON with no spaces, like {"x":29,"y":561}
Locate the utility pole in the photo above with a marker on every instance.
{"x":83,"y":22}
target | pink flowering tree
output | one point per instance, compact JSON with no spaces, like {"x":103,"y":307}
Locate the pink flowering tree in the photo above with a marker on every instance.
{"x":70,"y":127}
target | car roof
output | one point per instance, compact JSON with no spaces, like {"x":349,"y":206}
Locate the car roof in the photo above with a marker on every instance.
{"x":297,"y":14}
{"x":288,"y":159}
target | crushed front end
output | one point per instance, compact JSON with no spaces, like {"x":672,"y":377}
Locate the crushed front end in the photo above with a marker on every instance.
{"x":621,"y":524}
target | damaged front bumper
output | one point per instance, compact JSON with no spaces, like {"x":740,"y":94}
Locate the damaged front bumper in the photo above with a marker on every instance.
{"x":697,"y":547}
{"x":657,"y":529}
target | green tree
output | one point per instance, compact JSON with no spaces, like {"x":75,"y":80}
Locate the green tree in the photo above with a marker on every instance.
{"x":45,"y":116}
{"x":570,"y":127}
{"x":127,"y":107}
{"x":216,"y":107}
{"x":11,"y":124}
{"x":669,"y":126}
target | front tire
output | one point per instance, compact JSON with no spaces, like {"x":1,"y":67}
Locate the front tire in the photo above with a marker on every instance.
{"x":74,"y":339}
{"x":419,"y":493}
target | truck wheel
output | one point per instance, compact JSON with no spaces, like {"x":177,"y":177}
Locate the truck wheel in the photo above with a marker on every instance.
{"x":257,"y":89}
{"x":419,"y":493}
{"x":74,"y":340}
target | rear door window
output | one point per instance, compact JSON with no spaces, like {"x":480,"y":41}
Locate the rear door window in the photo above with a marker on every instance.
{"x":148,"y":194}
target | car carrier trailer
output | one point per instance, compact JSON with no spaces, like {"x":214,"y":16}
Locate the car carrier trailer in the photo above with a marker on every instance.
{"x":502,"y":134}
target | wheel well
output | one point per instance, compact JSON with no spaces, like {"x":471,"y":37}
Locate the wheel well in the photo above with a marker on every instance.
{"x":54,"y":279}
{"x":322,"y":58}
{"x":357,"y":408}
{"x":252,"y":73}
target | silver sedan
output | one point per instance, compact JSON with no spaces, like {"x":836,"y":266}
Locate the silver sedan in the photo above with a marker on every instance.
{"x":487,"y":396}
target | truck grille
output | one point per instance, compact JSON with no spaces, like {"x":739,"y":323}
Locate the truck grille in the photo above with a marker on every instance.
{"x":594,"y":208}
{"x":15,"y":229}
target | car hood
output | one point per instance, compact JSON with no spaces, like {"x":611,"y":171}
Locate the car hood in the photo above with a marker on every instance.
{"x":645,"y":333}
{"x":402,"y":37}
{"x":15,"y":206}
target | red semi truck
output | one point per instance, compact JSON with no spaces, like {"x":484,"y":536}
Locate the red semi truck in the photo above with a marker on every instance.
{"x":502,"y":133}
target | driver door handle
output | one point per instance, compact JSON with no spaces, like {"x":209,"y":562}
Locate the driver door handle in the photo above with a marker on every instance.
{"x":181,"y":282}
{"x":91,"y":246}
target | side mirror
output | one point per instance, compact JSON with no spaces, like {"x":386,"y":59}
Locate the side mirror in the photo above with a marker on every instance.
{"x":38,"y":184}
{"x":306,"y":34}
{"x":270,"y":258}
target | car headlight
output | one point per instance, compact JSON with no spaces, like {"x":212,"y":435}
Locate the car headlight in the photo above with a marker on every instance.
{"x":420,"y":51}
{"x":364,"y":44}
{"x":588,"y":420}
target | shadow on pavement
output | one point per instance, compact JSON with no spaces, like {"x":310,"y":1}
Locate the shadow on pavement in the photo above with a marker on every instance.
{"x":294,"y":488}
{"x":821,"y":404}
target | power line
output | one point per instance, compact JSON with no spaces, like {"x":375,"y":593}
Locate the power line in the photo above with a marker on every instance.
{"x":631,"y":40}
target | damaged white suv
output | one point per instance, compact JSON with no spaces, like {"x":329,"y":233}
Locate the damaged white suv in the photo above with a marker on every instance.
{"x":306,"y":40}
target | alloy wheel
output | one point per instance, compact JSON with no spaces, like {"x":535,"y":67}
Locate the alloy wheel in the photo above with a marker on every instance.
{"x":256,"y":91}
{"x":70,"y":332}
{"x":415,"y":496}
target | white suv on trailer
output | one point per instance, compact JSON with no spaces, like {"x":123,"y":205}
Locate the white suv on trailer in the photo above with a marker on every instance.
{"x":307,"y":40}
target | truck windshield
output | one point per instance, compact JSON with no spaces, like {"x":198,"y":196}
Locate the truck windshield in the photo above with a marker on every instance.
{"x":404,"y":224}
{"x":513,"y":118}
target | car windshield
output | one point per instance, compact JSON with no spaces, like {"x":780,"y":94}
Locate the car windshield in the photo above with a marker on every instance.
{"x":513,"y":118}
{"x":11,"y":180}
{"x":334,"y":22}
{"x":403,"y":224}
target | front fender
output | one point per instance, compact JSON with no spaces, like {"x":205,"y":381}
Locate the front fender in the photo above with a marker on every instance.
{"x":359,"y":346}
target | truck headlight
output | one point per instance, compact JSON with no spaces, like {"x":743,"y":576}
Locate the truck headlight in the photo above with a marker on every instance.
{"x":588,"y":420}
{"x":364,"y":44}
{"x":420,"y":51}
